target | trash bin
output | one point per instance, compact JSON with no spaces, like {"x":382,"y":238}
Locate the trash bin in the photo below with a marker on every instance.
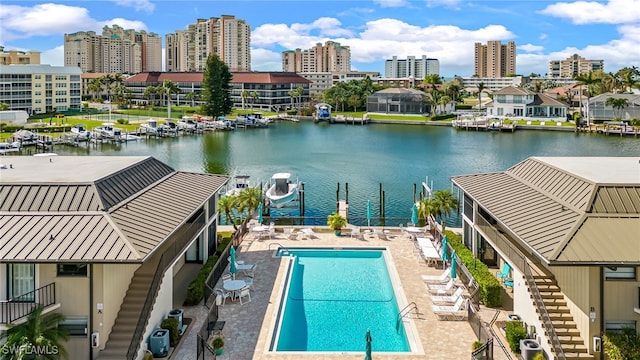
{"x":159,"y":342}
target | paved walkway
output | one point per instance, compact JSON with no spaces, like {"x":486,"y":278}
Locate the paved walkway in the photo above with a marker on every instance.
{"x":248,"y":328}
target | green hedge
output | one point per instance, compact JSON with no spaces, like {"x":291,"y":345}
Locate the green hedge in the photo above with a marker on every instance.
{"x":515,"y":332}
{"x":171,"y":324}
{"x":490,"y":288}
{"x":622,"y":346}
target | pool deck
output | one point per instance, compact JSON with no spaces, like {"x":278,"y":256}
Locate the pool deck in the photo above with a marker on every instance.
{"x":248,"y":328}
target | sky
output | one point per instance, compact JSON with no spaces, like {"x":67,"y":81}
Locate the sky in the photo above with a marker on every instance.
{"x":375,"y":30}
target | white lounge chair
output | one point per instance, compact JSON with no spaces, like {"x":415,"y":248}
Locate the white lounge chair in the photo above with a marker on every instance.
{"x":448,"y":299}
{"x":355,"y":233}
{"x":441,"y":289}
{"x":247,"y":269}
{"x":455,"y":312}
{"x":442,"y":278}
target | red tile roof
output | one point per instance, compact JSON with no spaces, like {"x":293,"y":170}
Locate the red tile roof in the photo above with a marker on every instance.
{"x":237,"y":77}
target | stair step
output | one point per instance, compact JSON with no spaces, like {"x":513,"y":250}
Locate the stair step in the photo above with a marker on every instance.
{"x":555,"y":308}
{"x":569,"y":339}
{"x":578,"y":356}
{"x":567,"y":332}
{"x":561,"y":324}
{"x":551,"y":295}
{"x":560,"y":316}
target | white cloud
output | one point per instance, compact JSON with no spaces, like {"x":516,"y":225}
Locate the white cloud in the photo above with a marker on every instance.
{"x":265,"y":60}
{"x":391,"y":3}
{"x":590,"y":12}
{"x":543,"y":36}
{"x":19,"y":22}
{"x":139,"y":5}
{"x":530,"y":48}
{"x":54,"y":57}
{"x":454,"y":4}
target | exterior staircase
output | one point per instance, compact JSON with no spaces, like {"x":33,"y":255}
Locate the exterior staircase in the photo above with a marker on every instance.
{"x":561,"y":318}
{"x":121,"y":335}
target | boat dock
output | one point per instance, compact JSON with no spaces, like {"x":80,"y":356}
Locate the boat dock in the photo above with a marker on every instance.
{"x":349,"y":120}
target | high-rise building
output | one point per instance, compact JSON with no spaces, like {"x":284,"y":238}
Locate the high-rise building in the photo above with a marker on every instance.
{"x":115,"y":51}
{"x":411,"y":67}
{"x":40,"y":88}
{"x":228,"y":37}
{"x":18,"y":57}
{"x":495,"y":59}
{"x":573,"y":66}
{"x":330,"y":57}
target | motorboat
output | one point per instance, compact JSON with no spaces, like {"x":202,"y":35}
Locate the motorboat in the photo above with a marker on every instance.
{"x":25,"y":137}
{"x":107,"y":130}
{"x":323,"y":112}
{"x":80,"y":132}
{"x":187,"y":123}
{"x":239,"y":183}
{"x":282,"y":191}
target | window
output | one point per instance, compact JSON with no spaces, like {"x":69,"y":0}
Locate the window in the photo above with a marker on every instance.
{"x":620,"y":272}
{"x":72,"y":269}
{"x":77,"y":325}
{"x":618,"y":325}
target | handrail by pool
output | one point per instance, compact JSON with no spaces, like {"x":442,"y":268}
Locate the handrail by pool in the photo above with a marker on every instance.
{"x":404,"y":312}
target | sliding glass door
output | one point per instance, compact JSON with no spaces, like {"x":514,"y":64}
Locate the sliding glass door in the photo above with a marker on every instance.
{"x":21,"y":282}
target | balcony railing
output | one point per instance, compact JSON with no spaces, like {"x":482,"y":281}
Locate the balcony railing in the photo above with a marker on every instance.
{"x":519,"y":261}
{"x":23,"y":305}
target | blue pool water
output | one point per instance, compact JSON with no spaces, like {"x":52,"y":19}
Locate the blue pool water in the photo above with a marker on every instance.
{"x":333,"y":297}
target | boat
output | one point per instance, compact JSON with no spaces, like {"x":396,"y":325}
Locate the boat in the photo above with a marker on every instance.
{"x":323,"y":112}
{"x":107,"y":130}
{"x":187,"y":124}
{"x":282,"y":191}
{"x":25,"y":137}
{"x":80,"y":132}
{"x":239,"y":183}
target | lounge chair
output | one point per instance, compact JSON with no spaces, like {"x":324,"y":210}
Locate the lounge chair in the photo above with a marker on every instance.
{"x":247,"y":269}
{"x":441,"y":289}
{"x":449,"y":299}
{"x":355,"y":233}
{"x":504,"y":274}
{"x":442,"y":278}
{"x":380,"y":233}
{"x":454,"y":312}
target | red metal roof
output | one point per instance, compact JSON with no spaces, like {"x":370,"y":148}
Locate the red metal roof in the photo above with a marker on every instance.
{"x":237,"y":77}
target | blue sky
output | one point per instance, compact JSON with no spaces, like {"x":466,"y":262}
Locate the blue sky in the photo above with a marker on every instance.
{"x":375,"y":30}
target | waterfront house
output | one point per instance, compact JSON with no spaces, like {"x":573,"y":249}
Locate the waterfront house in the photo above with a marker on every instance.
{"x":568,"y":227}
{"x":600,"y":111}
{"x":520,"y":102}
{"x":398,"y":101}
{"x":99,"y":239}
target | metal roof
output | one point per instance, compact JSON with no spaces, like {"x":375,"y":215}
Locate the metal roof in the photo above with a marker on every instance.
{"x":122,"y":216}
{"x":556,"y":207}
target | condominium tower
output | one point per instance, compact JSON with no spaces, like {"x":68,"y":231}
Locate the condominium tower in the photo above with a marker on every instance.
{"x":573,"y":66}
{"x":228,"y":37}
{"x":330,"y":57}
{"x":115,"y":51}
{"x":495,"y":60}
{"x":18,"y":57}
{"x":411,"y":67}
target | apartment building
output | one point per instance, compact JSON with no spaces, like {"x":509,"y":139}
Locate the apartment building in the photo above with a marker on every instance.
{"x":330,"y":57}
{"x":573,"y":66}
{"x":115,"y":51}
{"x":418,"y":68}
{"x":322,"y":81}
{"x":226,"y":36}
{"x":18,"y":57}
{"x":495,"y":59}
{"x":40,"y":88}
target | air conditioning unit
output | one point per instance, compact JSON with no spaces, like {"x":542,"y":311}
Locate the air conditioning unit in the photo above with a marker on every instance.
{"x":159,"y":342}
{"x":177,"y":314}
{"x":513,"y":317}
{"x":529,"y":348}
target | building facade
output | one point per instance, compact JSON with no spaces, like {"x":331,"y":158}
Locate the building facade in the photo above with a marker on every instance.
{"x":323,"y":81}
{"x":19,"y":57}
{"x":573,"y":66}
{"x":417,"y":68}
{"x":272,"y":88}
{"x":228,"y":37}
{"x":38,"y":89}
{"x":117,"y":50}
{"x":330,"y":57}
{"x":494,"y":59}
{"x":492,"y":84}
{"x":567,"y":227}
{"x":520,"y":102}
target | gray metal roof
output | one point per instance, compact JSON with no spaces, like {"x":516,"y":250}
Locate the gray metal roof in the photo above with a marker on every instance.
{"x":559,"y":207}
{"x":123,"y":209}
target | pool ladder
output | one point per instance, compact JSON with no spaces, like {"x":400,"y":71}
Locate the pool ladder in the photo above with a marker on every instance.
{"x":279,"y":245}
{"x":412,"y":307}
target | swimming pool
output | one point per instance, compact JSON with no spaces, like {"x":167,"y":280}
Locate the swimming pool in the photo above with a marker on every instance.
{"x":332,"y":297}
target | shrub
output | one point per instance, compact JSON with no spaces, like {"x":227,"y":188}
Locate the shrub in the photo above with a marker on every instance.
{"x":171,"y":324}
{"x":195,"y":290}
{"x":122,"y":121}
{"x":622,"y":346}
{"x":292,"y":112}
{"x":217,"y":343}
{"x":490,"y":288}
{"x":515,"y":332}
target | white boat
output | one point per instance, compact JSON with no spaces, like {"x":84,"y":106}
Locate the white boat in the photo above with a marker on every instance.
{"x":323,"y":112}
{"x":187,"y":123}
{"x":282,"y":191}
{"x":80,"y":132}
{"x":107,"y":130}
{"x":239,"y":183}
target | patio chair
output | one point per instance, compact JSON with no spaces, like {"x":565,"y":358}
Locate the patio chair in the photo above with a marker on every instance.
{"x":247,"y":269}
{"x":355,"y":233}
{"x":249,"y":281}
{"x":442,"y":278}
{"x":454,"y":312}
{"x":244,"y":293}
{"x":226,"y":277}
{"x":224,"y":294}
{"x":292,"y":235}
{"x":380,"y":233}
{"x":504,"y":274}
{"x":448,"y":299}
{"x":441,"y":289}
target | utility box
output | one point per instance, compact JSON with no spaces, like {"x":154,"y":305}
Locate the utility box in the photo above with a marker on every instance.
{"x":529,"y":348}
{"x":159,"y":343}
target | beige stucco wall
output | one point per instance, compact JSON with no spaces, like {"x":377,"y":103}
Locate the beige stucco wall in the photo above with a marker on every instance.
{"x":621,"y":297}
{"x":161,"y":308}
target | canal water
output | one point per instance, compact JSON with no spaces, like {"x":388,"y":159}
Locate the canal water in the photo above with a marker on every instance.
{"x":396,"y":156}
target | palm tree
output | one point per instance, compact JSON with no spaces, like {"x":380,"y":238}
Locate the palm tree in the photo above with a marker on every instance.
{"x":150,"y":92}
{"x":292,"y":94}
{"x":254,"y":96}
{"x":444,"y":100}
{"x":4,"y":106}
{"x":629,"y":78}
{"x":95,"y":86}
{"x":481,"y":87}
{"x":249,"y":198}
{"x":228,"y":204}
{"x":425,"y":209}
{"x":169,"y":88}
{"x":193,"y":96}
{"x":244,"y":95}
{"x":40,"y":335}
{"x":443,"y":204}
{"x":617,"y":104}
{"x":588,"y":80}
